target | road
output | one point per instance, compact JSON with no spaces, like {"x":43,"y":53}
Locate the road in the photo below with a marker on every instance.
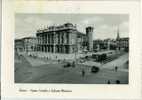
{"x":55,"y":73}
{"x":120,"y":63}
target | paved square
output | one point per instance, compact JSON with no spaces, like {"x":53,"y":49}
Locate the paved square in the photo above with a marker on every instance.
{"x":35,"y":70}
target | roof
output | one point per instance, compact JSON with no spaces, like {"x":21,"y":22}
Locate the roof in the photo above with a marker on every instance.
{"x":125,"y":38}
{"x":57,"y":27}
{"x":18,"y":39}
{"x":68,"y":24}
{"x":80,"y":33}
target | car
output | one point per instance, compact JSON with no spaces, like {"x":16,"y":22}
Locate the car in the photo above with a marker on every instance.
{"x":82,"y":61}
{"x":95,"y":69}
{"x":67,"y":65}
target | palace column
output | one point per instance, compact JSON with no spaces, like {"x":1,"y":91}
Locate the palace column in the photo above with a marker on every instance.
{"x":40,"y":44}
{"x":43,"y":41}
{"x":64,"y":40}
{"x":37,"y":43}
{"x":54,"y":42}
{"x":60,"y":38}
{"x":69,"y":42}
{"x":60,"y":42}
{"x":47,"y":42}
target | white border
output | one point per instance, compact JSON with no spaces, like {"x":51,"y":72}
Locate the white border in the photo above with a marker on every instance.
{"x":131,"y":91}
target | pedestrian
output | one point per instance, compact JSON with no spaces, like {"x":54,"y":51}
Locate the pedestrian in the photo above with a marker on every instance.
{"x":73,"y":64}
{"x":83,"y":73}
{"x":117,"y":82}
{"x":116,"y":68}
{"x":108,"y":82}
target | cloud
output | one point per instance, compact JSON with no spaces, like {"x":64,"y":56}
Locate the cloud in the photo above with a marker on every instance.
{"x":91,"y":21}
{"x":104,"y":31}
{"x":105,"y":25}
{"x":124,"y":25}
{"x":124,"y":29}
{"x":38,"y":22}
{"x":29,"y":26}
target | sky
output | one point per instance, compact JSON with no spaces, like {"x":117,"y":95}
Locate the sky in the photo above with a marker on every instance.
{"x":105,"y":25}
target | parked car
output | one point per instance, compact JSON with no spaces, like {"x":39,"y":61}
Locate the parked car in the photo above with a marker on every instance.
{"x":95,"y":69}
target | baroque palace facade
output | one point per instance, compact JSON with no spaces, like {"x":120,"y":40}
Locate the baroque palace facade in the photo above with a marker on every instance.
{"x":62,"y":39}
